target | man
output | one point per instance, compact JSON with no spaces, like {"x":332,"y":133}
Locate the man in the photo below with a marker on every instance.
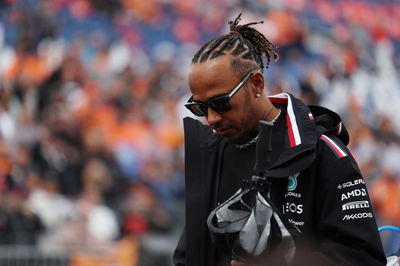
{"x":315,"y":183}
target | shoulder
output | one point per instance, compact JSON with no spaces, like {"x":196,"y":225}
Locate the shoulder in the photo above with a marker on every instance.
{"x":334,"y":155}
{"x":332,"y":146}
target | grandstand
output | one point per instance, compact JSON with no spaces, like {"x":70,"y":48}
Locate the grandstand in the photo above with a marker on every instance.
{"x":91,"y":157}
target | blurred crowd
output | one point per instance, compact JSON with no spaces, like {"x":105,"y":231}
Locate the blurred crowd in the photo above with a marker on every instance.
{"x":91,"y":106}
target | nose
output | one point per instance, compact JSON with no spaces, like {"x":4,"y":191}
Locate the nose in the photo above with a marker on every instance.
{"x":213,"y":117}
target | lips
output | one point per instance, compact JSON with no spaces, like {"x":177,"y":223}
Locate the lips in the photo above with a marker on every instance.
{"x":222,"y":131}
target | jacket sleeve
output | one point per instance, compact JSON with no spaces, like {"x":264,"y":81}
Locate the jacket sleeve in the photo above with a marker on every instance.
{"x":344,"y":221}
{"x":179,"y":257}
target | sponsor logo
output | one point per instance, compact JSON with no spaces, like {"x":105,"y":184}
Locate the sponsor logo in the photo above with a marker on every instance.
{"x":293,"y":208}
{"x":351,"y":183}
{"x":296,"y":223}
{"x":355,"y":205}
{"x":354,"y":193}
{"x":292,"y":182}
{"x":293,"y":194}
{"x":357,"y":216}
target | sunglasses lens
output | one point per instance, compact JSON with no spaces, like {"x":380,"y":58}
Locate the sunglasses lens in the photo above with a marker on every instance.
{"x":220,"y":105}
{"x":197,"y":108}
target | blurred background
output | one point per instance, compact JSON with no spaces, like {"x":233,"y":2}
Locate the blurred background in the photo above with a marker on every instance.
{"x":91,"y":108}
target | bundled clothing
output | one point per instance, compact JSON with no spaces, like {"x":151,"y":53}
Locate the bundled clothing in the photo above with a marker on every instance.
{"x":315,"y":185}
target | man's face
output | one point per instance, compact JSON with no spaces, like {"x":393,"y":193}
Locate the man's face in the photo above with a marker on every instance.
{"x":214,"y":78}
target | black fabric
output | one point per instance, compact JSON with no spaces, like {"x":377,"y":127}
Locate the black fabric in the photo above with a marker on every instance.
{"x":330,"y":233}
{"x":237,"y":164}
{"x":203,"y":152}
{"x":328,"y":121}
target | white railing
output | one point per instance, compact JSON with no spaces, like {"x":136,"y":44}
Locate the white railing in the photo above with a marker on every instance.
{"x":30,"y":256}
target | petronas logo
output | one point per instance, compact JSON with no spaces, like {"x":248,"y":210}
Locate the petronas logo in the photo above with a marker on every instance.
{"x":292,"y":182}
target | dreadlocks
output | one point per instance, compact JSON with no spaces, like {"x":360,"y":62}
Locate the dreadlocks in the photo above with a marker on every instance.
{"x":243,"y":42}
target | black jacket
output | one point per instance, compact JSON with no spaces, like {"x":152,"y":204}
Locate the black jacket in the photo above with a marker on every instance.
{"x":315,"y":182}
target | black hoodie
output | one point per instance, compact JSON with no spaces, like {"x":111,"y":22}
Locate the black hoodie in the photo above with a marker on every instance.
{"x":315,"y":182}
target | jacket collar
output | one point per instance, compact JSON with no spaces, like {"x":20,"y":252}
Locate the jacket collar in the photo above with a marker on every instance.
{"x":304,"y":125}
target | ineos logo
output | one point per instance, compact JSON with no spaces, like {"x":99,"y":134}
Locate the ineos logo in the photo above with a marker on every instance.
{"x":293,"y":208}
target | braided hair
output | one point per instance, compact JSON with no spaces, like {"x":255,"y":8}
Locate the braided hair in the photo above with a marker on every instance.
{"x":245,"y":43}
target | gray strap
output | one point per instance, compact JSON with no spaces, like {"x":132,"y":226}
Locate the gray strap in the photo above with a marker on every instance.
{"x":229,"y":221}
{"x":255,"y":233}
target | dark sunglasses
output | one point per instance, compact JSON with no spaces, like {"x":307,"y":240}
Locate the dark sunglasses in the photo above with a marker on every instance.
{"x":221,"y":103}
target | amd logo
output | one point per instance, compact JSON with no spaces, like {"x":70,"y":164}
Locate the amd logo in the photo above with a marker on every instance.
{"x":354,"y":193}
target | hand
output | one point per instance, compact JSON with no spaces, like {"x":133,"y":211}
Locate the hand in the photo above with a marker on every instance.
{"x":238,"y":263}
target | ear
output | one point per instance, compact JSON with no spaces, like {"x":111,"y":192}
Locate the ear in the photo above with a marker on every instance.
{"x":257,"y":83}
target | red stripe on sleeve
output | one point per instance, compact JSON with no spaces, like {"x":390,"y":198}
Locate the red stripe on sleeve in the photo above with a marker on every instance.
{"x":332,"y":145}
{"x":290,"y":131}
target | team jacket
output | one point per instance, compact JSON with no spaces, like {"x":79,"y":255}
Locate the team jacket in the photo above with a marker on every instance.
{"x":316,"y":184}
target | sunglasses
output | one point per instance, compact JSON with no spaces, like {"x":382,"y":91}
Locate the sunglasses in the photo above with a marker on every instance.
{"x":220,"y":103}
